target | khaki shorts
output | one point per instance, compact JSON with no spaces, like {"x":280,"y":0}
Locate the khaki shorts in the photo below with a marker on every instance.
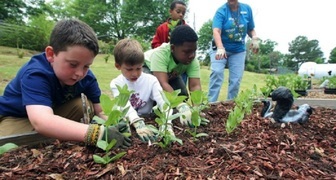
{"x":10,"y":125}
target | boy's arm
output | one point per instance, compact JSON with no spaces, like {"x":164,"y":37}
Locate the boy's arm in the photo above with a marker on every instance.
{"x":46,"y":123}
{"x":164,"y":81}
{"x":99,"y":111}
{"x":194,"y":84}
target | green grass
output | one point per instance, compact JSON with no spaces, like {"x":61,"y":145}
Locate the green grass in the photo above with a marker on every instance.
{"x":105,"y":72}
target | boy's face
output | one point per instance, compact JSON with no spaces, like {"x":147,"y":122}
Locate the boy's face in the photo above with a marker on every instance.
{"x":72,"y":65}
{"x":178,"y":12}
{"x":130,"y":72}
{"x":184,"y":53}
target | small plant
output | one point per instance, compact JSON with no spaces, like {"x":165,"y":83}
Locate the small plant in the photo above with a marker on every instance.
{"x":7,"y":147}
{"x":20,"y":52}
{"x":117,"y":113}
{"x":243,"y":105}
{"x":172,"y":100}
{"x":200,"y":102}
{"x":106,"y":58}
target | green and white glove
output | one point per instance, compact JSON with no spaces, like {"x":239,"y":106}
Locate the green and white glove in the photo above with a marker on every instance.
{"x":204,"y":121}
{"x":169,"y":128}
{"x":144,"y":133}
{"x":97,"y":132}
{"x":184,"y":109}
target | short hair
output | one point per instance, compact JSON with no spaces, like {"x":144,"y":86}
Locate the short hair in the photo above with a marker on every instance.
{"x":181,"y":34}
{"x":173,"y":4}
{"x":128,"y":51}
{"x":72,"y":32}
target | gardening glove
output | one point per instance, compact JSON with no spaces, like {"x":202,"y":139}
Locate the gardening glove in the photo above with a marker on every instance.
{"x":184,"y":109}
{"x":204,"y":121}
{"x":97,"y":132}
{"x":169,"y":127}
{"x":221,"y":53}
{"x":144,"y":133}
{"x":254,"y":46}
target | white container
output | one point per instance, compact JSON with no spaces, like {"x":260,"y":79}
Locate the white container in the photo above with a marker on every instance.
{"x":317,"y":70}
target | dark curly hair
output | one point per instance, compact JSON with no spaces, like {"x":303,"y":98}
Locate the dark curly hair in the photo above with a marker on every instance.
{"x":181,"y":34}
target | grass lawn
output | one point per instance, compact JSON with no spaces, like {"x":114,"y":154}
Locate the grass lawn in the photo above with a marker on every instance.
{"x":105,"y":72}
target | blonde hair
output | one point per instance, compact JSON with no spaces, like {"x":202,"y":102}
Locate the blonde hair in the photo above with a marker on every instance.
{"x":128,"y":51}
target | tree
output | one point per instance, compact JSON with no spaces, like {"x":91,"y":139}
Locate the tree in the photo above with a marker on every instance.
{"x":12,"y":11}
{"x":303,"y":50}
{"x":115,"y":19}
{"x":204,"y":40}
{"x":332,"y":57}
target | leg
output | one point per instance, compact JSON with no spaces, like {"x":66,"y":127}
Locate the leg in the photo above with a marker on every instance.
{"x":216,"y":77}
{"x":14,"y":125}
{"x":184,"y":77}
{"x":236,"y":64}
{"x":178,"y":83}
{"x":73,"y":110}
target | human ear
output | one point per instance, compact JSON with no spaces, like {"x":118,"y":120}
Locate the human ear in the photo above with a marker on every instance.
{"x":172,"y":48}
{"x":118,"y":66}
{"x":49,"y":54}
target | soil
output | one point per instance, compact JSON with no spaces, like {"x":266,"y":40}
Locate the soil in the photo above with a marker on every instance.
{"x":257,"y":149}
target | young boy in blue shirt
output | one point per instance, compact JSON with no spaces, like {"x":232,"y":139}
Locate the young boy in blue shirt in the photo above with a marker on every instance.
{"x":45,"y":95}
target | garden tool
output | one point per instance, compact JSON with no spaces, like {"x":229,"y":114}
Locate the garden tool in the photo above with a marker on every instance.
{"x":86,"y":109}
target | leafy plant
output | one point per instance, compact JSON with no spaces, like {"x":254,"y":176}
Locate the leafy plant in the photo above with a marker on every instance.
{"x":199,"y":102}
{"x":7,"y":147}
{"x":243,"y":105}
{"x":172,"y":100}
{"x":115,"y":116}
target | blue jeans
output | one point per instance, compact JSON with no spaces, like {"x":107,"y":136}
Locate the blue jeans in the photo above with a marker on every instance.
{"x":236,"y":65}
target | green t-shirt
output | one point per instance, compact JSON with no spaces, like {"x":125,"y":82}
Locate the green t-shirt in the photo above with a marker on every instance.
{"x":160,"y":59}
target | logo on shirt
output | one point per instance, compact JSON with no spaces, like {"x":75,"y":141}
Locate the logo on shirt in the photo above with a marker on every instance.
{"x":136,"y":102}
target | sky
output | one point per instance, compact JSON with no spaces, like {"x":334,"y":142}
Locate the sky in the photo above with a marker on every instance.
{"x":280,"y":20}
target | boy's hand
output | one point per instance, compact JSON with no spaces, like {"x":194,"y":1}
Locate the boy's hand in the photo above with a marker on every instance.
{"x":184,"y":109}
{"x":144,"y":133}
{"x":97,"y":132}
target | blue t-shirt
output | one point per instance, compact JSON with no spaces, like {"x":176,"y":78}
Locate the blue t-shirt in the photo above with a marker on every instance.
{"x":37,"y":84}
{"x":234,"y":26}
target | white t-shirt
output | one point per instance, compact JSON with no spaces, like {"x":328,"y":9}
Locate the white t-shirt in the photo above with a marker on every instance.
{"x":146,"y":90}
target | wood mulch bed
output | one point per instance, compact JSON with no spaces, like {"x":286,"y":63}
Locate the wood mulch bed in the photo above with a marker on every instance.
{"x":257,"y":149}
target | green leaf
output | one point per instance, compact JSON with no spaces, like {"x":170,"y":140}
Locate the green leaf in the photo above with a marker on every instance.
{"x":201,"y":135}
{"x":196,"y":97}
{"x":102,"y":144}
{"x":99,"y":159}
{"x":116,"y":157}
{"x":7,"y":147}
{"x":111,"y":144}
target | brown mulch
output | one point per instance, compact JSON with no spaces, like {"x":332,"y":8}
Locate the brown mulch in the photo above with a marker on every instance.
{"x":257,"y":149}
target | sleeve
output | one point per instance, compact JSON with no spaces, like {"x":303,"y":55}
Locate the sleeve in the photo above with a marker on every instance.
{"x":156,"y":93}
{"x":158,"y":37}
{"x":91,"y":88}
{"x":250,"y":24}
{"x":193,"y":71}
{"x":219,"y":18}
{"x":36,"y":89}
{"x":159,"y":62}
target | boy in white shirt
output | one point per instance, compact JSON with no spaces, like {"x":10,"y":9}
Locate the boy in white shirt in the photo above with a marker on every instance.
{"x":129,"y":59}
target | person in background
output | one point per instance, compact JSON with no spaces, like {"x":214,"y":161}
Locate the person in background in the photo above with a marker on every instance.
{"x":45,"y":95}
{"x":170,"y":60}
{"x":162,"y":35}
{"x":231,"y":23}
{"x":129,"y":59}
